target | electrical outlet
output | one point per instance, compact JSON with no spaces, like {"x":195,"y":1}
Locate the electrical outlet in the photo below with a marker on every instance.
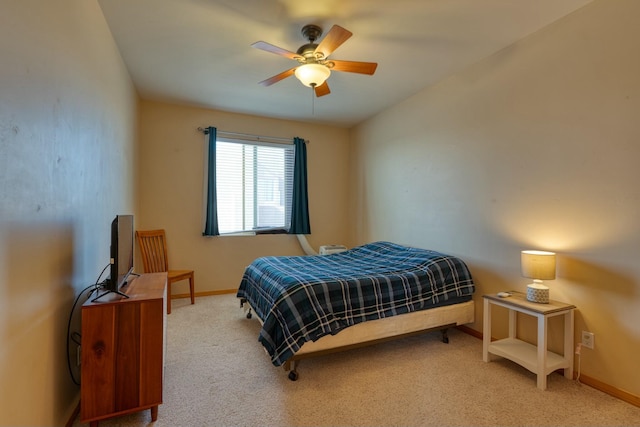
{"x":588,"y":339}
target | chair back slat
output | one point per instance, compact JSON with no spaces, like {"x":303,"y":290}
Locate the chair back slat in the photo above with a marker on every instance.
{"x":153,"y":248}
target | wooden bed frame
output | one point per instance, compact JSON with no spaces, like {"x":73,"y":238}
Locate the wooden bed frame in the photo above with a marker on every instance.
{"x":381,"y":330}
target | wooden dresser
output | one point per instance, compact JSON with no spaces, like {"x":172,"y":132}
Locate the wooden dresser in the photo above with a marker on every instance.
{"x":123,"y":350}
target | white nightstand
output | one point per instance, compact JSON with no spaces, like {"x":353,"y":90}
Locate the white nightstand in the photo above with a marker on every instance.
{"x":537,"y":359}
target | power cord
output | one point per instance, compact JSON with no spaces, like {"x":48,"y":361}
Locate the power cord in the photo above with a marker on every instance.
{"x":578,"y":352}
{"x":75,"y":336}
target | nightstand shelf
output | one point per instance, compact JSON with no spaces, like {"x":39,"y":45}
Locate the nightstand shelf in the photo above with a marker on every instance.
{"x":536,"y":359}
{"x":526,"y":355}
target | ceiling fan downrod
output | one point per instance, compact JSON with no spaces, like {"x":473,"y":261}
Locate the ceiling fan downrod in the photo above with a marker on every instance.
{"x":311,"y":32}
{"x":308,"y":51}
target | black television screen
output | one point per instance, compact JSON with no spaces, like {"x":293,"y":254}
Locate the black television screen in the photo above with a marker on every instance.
{"x":122,"y":235}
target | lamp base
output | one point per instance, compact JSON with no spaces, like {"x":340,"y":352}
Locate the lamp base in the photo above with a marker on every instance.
{"x":538,"y":293}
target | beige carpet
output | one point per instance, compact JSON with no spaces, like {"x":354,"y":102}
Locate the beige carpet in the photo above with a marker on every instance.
{"x":218,"y":375}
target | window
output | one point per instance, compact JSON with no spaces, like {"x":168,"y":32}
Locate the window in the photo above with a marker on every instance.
{"x":254,"y":185}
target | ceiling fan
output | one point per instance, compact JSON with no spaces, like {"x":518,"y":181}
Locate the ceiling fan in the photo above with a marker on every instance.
{"x":315,"y":67}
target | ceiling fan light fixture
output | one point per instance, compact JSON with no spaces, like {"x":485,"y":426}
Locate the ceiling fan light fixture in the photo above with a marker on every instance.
{"x":312,"y":75}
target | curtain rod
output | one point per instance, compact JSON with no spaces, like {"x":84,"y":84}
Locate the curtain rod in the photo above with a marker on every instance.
{"x":251,"y":137}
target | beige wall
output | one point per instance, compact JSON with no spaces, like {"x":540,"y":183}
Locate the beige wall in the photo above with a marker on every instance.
{"x":536,"y":147}
{"x":171,"y":193}
{"x":67,"y":134}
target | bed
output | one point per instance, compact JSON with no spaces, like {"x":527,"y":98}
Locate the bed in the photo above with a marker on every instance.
{"x":310,"y":305}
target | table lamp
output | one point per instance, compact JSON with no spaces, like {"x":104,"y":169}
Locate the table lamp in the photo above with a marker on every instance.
{"x":539,"y":266}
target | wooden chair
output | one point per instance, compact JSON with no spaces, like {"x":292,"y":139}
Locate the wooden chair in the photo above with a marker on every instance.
{"x":153,"y":247}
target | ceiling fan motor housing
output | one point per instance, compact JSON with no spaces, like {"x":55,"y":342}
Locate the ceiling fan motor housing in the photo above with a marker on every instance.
{"x":308,"y":50}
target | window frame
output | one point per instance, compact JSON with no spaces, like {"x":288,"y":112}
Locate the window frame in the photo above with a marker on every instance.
{"x":289,"y":157}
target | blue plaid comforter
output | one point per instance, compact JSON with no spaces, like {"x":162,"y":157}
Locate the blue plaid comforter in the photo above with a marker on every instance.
{"x":302,"y":298}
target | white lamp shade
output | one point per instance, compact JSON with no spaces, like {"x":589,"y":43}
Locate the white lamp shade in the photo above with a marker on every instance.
{"x":312,"y":74}
{"x":538,"y":265}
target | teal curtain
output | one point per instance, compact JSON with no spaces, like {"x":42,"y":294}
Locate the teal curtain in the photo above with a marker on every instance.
{"x":211,"y":219}
{"x":300,"y":198}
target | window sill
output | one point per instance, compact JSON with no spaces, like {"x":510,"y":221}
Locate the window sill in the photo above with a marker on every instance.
{"x":271,"y":231}
{"x":257,"y":232}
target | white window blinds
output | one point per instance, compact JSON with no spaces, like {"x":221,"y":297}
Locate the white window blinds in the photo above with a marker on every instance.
{"x":254,"y":186}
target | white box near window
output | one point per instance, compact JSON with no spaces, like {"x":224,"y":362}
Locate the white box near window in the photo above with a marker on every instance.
{"x":332,"y":249}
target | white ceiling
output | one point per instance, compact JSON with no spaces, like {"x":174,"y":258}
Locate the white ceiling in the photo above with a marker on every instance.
{"x":198,"y":51}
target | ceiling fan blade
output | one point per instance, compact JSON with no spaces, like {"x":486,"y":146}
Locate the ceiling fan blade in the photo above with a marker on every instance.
{"x":354,"y":66}
{"x":275,"y":79}
{"x":334,"y":38}
{"x":268,"y":47}
{"x":322,"y":90}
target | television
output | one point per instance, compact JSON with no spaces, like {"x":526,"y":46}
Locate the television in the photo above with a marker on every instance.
{"x":121,"y":253}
